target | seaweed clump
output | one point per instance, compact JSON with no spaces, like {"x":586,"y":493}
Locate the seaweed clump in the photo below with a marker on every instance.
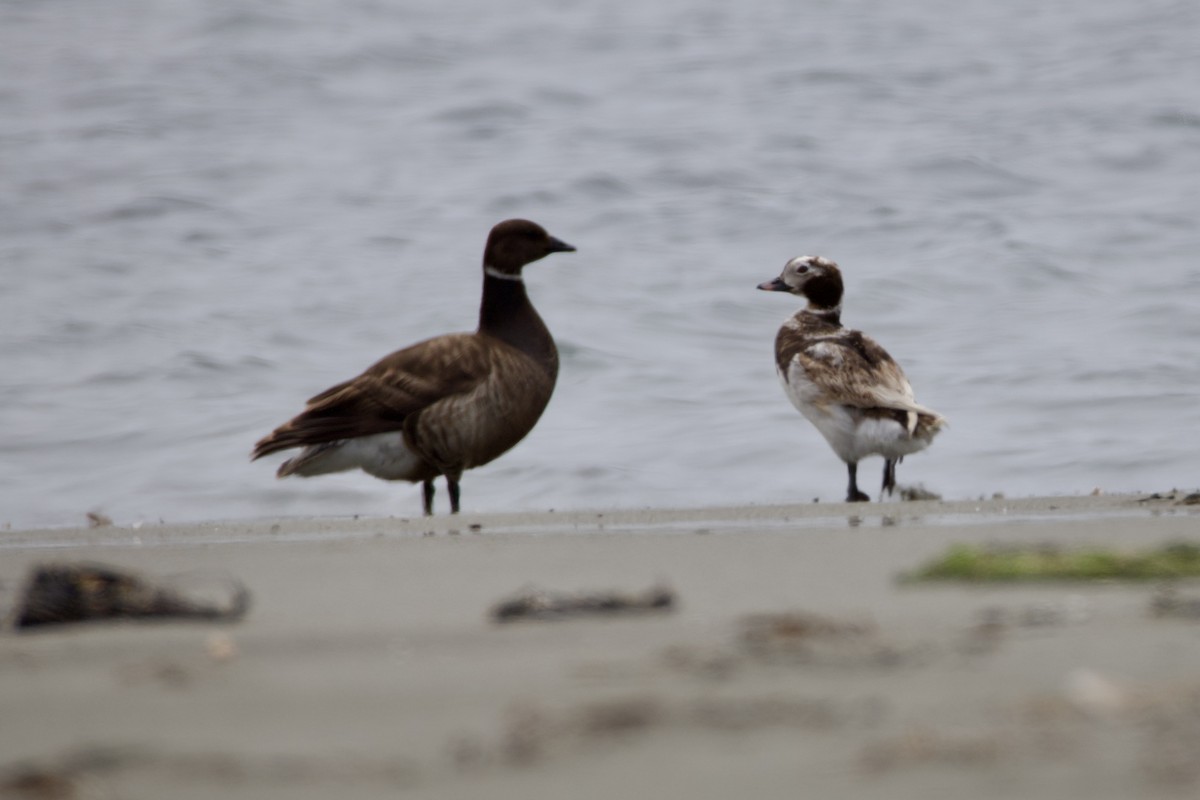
{"x":1012,"y":563}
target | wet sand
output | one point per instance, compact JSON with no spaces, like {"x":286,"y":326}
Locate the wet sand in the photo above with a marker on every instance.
{"x":794,"y":664}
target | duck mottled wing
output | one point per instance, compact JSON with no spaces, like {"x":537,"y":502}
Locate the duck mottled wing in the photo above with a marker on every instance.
{"x":851,"y":369}
{"x":383,"y":397}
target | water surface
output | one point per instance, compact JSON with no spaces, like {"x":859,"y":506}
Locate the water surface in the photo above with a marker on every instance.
{"x":213,"y":210}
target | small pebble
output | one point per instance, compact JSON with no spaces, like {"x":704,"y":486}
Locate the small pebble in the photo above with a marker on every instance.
{"x":221,"y":647}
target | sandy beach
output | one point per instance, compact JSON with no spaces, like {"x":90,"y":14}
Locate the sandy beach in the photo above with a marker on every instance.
{"x":794,"y":662}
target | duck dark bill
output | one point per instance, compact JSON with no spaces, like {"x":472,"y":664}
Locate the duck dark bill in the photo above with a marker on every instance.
{"x":776,"y":285}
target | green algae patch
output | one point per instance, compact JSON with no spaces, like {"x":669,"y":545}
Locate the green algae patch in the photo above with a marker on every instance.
{"x":1016,"y":563}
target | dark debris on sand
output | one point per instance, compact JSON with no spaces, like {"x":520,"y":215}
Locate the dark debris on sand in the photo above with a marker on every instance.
{"x":1169,"y":602}
{"x":918,"y":492}
{"x":1179,"y":499}
{"x":57,"y":594}
{"x":536,"y":604}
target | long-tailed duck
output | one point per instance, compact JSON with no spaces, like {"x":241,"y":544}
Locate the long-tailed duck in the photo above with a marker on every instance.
{"x":446,"y":404}
{"x":842,"y":381}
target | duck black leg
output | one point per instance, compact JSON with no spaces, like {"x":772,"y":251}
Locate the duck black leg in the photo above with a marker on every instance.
{"x":853,"y":495}
{"x":452,"y":488}
{"x":889,"y":477}
{"x":427,"y":497}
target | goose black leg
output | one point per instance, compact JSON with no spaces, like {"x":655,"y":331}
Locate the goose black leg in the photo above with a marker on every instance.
{"x":889,"y":477}
{"x":853,"y":495}
{"x":427,"y":497}
{"x":452,"y":487}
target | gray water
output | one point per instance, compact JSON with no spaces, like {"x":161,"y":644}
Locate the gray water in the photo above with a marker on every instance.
{"x":211,"y":210}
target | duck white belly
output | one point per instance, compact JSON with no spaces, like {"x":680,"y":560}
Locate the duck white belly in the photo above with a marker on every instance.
{"x":851,"y":432}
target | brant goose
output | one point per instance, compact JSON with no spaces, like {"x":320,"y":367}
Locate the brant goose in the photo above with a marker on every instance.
{"x":842,"y":381}
{"x":446,"y":404}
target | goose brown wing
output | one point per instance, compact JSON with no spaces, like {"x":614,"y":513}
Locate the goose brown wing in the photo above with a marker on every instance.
{"x":386,"y":394}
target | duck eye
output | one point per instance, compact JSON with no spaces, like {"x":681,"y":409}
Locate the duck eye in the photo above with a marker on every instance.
{"x":802,"y":268}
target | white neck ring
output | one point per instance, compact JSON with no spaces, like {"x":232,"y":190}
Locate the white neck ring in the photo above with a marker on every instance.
{"x":504,"y":276}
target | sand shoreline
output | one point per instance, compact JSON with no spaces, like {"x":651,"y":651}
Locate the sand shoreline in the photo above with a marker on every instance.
{"x":368,"y":664}
{"x":722,"y":518}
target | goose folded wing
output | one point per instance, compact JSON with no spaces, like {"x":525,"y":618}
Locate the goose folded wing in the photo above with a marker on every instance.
{"x":386,"y":394}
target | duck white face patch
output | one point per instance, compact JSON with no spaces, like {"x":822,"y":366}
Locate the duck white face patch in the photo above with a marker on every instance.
{"x":802,"y":269}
